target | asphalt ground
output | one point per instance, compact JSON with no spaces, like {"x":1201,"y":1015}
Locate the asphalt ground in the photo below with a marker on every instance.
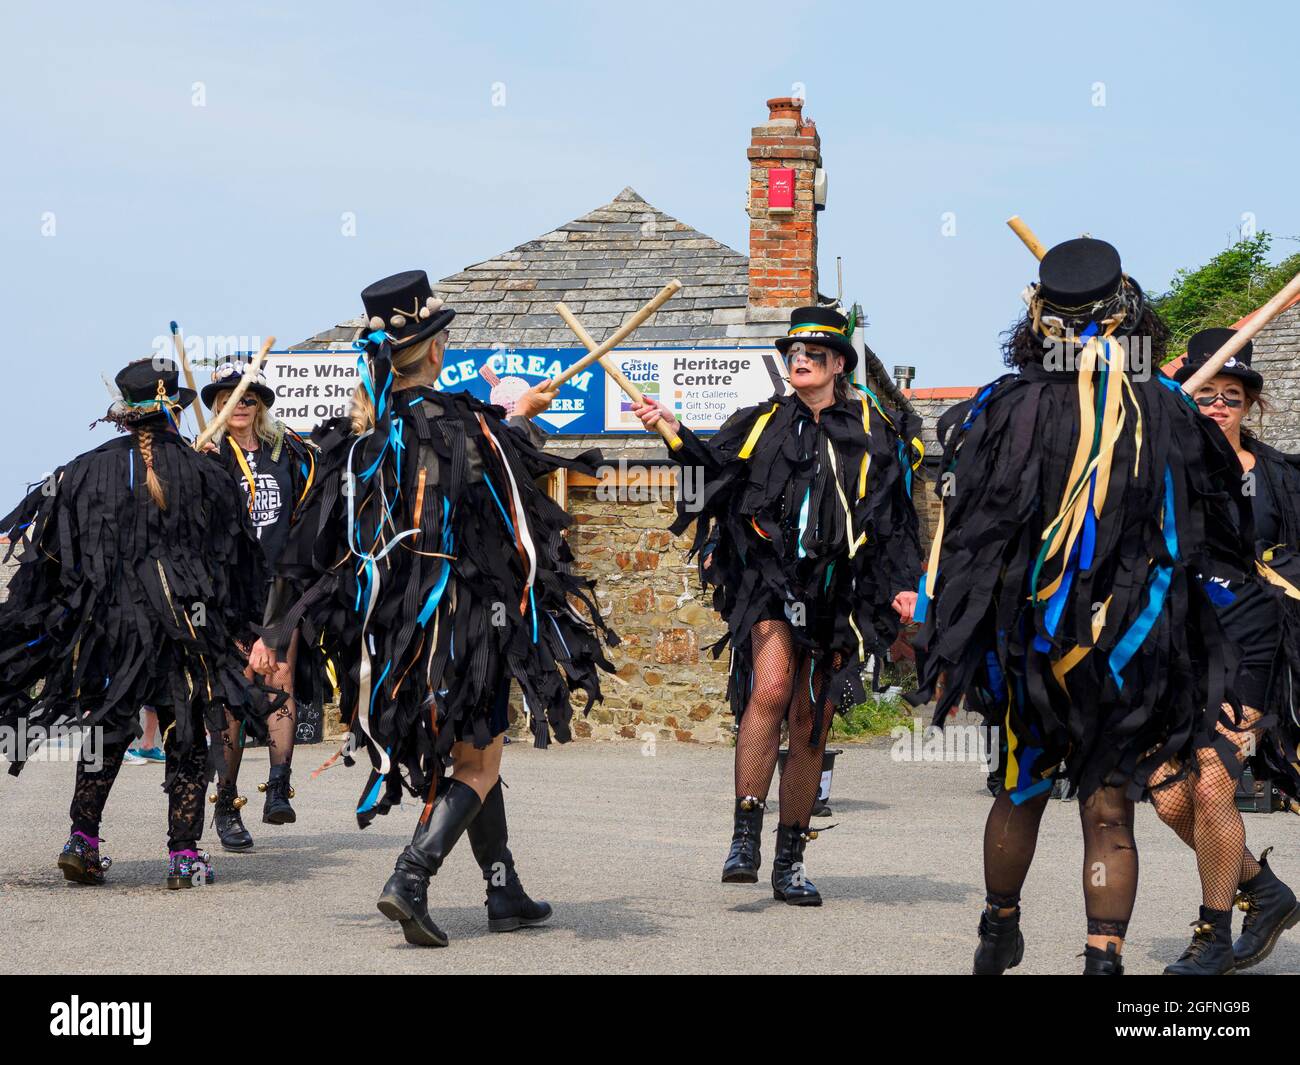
{"x":625,"y":840}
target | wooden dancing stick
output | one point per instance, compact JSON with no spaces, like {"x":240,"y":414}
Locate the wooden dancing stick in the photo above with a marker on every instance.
{"x":1238,"y":340}
{"x":1026,"y":234}
{"x":250,"y":375}
{"x":607,"y":364}
{"x":184,"y":361}
{"x":618,"y":336}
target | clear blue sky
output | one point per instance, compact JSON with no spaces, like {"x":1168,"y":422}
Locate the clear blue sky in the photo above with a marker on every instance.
{"x":227,"y":216}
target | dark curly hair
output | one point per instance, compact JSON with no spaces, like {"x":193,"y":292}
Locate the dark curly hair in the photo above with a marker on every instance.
{"x":1022,"y":346}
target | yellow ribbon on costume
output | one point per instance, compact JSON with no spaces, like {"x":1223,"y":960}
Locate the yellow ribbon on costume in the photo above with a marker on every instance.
{"x":1273,"y":577}
{"x":1062,"y":532}
{"x":750,"y":441}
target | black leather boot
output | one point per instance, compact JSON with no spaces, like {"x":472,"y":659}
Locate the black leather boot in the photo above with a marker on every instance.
{"x":790,"y":883}
{"x":508,"y":904}
{"x":276,"y":810}
{"x":1098,"y":962}
{"x":1210,"y":951}
{"x":406,"y":895}
{"x":1001,"y":945}
{"x":743,"y":860}
{"x":1270,"y":907}
{"x":229,"y":824}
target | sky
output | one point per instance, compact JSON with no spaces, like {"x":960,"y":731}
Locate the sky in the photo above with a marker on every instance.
{"x":246,"y":169}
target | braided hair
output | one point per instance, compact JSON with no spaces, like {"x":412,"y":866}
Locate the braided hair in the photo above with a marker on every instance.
{"x":144,"y":437}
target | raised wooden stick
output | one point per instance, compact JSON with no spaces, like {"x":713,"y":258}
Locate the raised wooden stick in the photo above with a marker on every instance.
{"x":1026,"y":234}
{"x":1237,"y":341}
{"x":250,"y":375}
{"x":620,"y":379}
{"x":619,"y":335}
{"x":183,"y":359}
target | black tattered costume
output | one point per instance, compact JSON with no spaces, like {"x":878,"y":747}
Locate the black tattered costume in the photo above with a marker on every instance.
{"x":806,"y":522}
{"x":119,"y":602}
{"x":436,"y":572}
{"x":1063,"y":599}
{"x":273,"y":475}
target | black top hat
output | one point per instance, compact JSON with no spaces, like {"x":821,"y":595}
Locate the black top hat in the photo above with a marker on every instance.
{"x":1205,"y":343}
{"x":150,"y":387}
{"x":824,"y":326}
{"x":404,"y":307}
{"x":226,"y":376}
{"x":1082,"y":281}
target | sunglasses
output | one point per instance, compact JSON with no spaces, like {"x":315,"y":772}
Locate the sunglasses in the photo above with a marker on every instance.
{"x":798,"y":348}
{"x":1209,"y":401}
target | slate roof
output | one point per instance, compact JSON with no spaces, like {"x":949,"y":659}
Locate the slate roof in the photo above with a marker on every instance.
{"x":604,"y":265}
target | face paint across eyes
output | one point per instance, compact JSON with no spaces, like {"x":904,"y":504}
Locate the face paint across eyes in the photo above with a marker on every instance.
{"x":800,"y":348}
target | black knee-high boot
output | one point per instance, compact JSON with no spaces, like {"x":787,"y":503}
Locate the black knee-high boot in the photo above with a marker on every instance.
{"x":508,"y":904}
{"x":406,"y":895}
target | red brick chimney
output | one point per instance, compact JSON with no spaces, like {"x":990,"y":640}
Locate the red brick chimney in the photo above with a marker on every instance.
{"x":783,"y":243}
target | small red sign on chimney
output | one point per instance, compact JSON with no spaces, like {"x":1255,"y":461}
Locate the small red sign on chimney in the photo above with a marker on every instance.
{"x":780,"y":189}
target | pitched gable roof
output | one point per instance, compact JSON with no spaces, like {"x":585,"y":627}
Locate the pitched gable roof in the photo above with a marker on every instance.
{"x":604,"y":265}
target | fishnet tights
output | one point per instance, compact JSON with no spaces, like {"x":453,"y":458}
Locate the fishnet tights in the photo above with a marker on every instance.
{"x":786,"y":689}
{"x":1202,"y":809}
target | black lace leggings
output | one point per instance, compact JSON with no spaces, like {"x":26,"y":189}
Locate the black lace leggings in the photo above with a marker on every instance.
{"x":786,"y":689}
{"x":281,"y":725}
{"x":185,"y":780}
{"x":1110,"y":857}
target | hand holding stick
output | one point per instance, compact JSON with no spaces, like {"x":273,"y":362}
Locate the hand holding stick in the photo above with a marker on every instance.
{"x":250,"y":375}
{"x":607,"y":364}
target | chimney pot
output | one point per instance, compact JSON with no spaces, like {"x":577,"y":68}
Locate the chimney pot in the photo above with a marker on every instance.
{"x":789,"y":107}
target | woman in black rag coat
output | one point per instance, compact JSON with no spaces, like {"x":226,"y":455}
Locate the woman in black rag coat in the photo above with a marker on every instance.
{"x":138,"y":575}
{"x":1259,"y":610}
{"x":1082,"y":498}
{"x":272,"y":469}
{"x":804,"y":525}
{"x":436,"y":571}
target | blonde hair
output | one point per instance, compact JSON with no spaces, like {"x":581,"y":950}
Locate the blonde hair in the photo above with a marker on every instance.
{"x":266,"y":427}
{"x":144,"y":437}
{"x":408,"y":363}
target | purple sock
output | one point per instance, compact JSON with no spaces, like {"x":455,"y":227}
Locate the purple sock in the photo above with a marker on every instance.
{"x":183,"y":854}
{"x":92,"y":840}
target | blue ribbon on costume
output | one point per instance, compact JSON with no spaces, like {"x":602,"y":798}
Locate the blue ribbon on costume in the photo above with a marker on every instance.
{"x":1128,"y":644}
{"x":922,"y":602}
{"x":1218,"y":594}
{"x":435,"y":593}
{"x":803,"y":521}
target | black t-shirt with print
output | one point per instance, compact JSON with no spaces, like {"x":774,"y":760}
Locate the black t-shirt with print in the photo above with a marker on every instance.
{"x":272,"y":504}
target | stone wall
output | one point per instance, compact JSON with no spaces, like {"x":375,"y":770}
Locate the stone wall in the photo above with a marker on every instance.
{"x":1277,"y":357}
{"x":669,"y":683}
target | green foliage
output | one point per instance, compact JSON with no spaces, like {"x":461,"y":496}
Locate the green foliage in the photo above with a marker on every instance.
{"x":1227,"y":288}
{"x":876,"y":717}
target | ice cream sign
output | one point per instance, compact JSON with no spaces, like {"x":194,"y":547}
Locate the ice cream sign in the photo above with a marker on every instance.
{"x":501,"y":375}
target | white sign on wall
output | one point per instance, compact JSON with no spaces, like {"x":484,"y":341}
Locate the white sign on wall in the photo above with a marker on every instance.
{"x":703,"y":387}
{"x":311,"y":387}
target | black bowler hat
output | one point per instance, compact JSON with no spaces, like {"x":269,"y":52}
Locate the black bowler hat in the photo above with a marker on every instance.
{"x":149,"y":387}
{"x":824,"y":326}
{"x":404,"y":307}
{"x":1205,"y":343}
{"x":226,"y":376}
